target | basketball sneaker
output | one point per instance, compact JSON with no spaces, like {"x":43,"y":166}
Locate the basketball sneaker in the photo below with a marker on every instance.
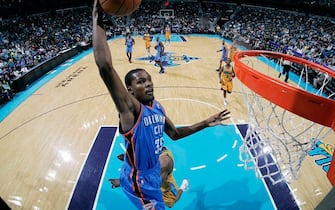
{"x":225,"y":102}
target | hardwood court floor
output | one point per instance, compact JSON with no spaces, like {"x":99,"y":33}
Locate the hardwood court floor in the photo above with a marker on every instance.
{"x":45,"y":141}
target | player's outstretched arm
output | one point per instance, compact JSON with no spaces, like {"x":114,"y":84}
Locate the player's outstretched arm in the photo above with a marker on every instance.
{"x":125,"y":103}
{"x":177,"y":133}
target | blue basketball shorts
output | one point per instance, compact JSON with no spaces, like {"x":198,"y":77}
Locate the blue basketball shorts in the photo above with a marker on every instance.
{"x":142,"y":187}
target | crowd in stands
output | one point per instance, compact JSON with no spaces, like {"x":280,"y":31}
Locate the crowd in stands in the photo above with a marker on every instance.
{"x":27,"y":41}
{"x":186,"y":18}
{"x":306,"y":36}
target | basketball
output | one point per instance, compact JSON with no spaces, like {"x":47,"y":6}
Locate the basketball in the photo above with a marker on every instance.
{"x":119,"y":7}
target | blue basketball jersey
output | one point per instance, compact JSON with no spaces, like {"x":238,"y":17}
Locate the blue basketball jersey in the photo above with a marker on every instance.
{"x":140,"y":174}
{"x":158,"y":50}
{"x":129,"y":42}
{"x":145,"y":141}
{"x":224,"y":53}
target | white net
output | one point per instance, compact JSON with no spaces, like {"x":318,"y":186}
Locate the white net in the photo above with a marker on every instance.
{"x":277,"y":141}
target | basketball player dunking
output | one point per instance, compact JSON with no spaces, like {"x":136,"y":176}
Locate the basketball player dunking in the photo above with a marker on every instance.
{"x":142,"y":122}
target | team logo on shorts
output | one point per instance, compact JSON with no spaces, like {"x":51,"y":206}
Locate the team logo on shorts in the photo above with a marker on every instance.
{"x":170,"y":59}
{"x":323,"y":154}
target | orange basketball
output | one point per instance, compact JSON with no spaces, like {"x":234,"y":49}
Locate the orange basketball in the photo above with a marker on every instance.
{"x":119,"y":7}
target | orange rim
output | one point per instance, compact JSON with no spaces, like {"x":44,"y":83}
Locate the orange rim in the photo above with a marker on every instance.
{"x":316,"y":108}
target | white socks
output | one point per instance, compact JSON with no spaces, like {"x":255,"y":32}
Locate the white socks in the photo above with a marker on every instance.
{"x":184,"y":185}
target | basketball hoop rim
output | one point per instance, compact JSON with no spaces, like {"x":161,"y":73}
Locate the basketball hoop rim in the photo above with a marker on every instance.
{"x":316,"y":108}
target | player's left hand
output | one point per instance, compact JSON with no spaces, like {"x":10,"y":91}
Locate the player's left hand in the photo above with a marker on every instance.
{"x":218,"y":118}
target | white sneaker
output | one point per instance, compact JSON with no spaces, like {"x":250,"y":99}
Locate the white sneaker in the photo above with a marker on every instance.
{"x":184,"y":185}
{"x":225,"y":102}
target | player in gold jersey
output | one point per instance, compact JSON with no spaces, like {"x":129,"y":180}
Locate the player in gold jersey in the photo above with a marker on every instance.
{"x":232,"y":51}
{"x":167,"y":34}
{"x":147,"y":43}
{"x":226,"y":75}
